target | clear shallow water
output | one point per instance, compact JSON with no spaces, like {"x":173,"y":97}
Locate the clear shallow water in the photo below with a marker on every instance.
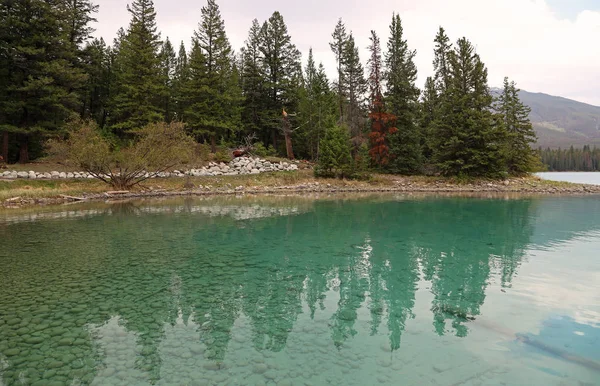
{"x":382,"y":290}
{"x":592,"y":178}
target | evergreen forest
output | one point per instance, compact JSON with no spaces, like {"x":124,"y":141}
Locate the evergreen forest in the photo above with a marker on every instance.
{"x":374,"y":117}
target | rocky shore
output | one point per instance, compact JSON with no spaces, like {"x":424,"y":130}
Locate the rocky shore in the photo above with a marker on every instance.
{"x":239,"y":166}
{"x":393,"y":184}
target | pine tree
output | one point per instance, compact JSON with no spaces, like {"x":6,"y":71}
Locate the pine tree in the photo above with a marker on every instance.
{"x":256,"y":99}
{"x":402,"y":101}
{"x":354,"y":88}
{"x":168,"y":63}
{"x":317,"y":108}
{"x":38,"y":77}
{"x":194,"y":95}
{"x":283,"y":71}
{"x":441,"y":62}
{"x":428,"y":114}
{"x":520,"y":156}
{"x":181,"y":77}
{"x":96,"y":64}
{"x":338,"y":47}
{"x":222,"y":97}
{"x":335,"y":159}
{"x":469,"y":141}
{"x":382,"y":122}
{"x":137,"y":102}
{"x":77,"y":15}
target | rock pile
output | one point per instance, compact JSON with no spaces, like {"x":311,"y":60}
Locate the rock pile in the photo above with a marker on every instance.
{"x":242,"y":165}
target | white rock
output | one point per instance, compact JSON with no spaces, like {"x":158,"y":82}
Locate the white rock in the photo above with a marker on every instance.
{"x":254,"y":171}
{"x":62,"y":175}
{"x":22,"y":175}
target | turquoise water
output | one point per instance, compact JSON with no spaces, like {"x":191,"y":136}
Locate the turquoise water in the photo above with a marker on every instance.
{"x":390,"y":290}
{"x":592,"y":178}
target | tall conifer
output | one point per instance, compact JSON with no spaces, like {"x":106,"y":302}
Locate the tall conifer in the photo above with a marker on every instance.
{"x":469,"y":140}
{"x":137,"y":102}
{"x":520,"y":156}
{"x":401,"y":100}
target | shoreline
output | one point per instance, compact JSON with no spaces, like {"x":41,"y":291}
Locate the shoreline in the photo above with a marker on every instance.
{"x":305,"y":184}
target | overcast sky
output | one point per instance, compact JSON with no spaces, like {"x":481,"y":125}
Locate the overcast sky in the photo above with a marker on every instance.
{"x":549,"y":46}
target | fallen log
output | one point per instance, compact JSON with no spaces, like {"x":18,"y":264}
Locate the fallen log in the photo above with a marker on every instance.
{"x":73,"y":198}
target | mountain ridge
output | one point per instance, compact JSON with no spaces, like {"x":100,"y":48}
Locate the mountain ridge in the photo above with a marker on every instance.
{"x":560,"y":121}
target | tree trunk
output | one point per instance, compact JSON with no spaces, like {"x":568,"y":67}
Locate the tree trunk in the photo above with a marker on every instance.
{"x":24,"y":149}
{"x":287,"y":133}
{"x":213,"y":143}
{"x":288,"y":145}
{"x":5,"y":146}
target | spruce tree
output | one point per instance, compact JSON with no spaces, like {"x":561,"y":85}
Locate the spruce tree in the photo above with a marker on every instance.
{"x":222,"y":97}
{"x":137,"y":101}
{"x":335,"y":159}
{"x":194,"y":95}
{"x":520,"y":156}
{"x":38,"y":77}
{"x":180,"y":78}
{"x":469,"y":141}
{"x":382,"y":122}
{"x":441,"y":61}
{"x":318,"y":108}
{"x":96,"y":64}
{"x":78,"y":14}
{"x":354,"y":88}
{"x":168,"y":63}
{"x":427,"y":116}
{"x":256,"y":98}
{"x":402,"y":101}
{"x":338,"y":47}
{"x":283,"y":71}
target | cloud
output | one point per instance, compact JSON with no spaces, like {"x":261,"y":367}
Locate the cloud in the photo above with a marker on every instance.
{"x":526,"y":40}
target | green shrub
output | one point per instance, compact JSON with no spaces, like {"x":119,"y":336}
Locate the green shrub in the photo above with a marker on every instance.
{"x":335,"y":159}
{"x":155,"y":148}
{"x":261,"y":151}
{"x":222,"y":156}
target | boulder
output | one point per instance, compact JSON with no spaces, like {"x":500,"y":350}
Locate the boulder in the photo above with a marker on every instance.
{"x":22,"y":175}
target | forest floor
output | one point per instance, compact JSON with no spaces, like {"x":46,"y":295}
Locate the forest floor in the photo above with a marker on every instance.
{"x":24,"y":192}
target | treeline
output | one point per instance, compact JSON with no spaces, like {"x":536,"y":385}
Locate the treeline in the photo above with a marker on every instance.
{"x":51,"y":71}
{"x":571,"y":160}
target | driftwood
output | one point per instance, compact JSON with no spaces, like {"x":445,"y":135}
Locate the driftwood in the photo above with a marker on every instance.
{"x":117,"y":192}
{"x":13,"y":199}
{"x":73,"y":198}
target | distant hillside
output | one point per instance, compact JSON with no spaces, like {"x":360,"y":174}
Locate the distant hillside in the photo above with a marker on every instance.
{"x":562,"y":122}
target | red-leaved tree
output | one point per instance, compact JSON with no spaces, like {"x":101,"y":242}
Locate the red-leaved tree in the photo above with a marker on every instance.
{"x":382,"y":123}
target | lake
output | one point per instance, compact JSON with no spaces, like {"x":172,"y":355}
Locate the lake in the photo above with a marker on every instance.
{"x":357,"y":290}
{"x":592,"y":178}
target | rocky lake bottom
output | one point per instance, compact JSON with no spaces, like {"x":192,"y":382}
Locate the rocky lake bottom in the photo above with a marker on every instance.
{"x":382,"y":289}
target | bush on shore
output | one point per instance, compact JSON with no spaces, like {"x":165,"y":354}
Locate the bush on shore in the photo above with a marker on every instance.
{"x":155,"y":148}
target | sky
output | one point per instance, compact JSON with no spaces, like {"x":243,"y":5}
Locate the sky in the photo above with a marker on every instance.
{"x":548,"y":46}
